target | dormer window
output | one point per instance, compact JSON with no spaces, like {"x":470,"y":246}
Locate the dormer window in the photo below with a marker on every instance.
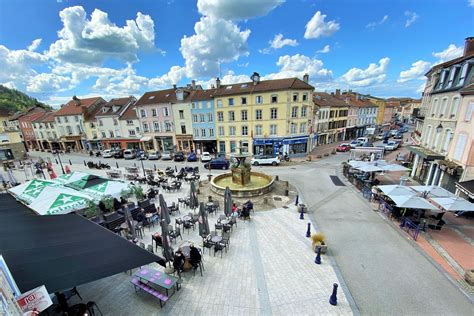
{"x":442,"y":79}
{"x":151,"y":97}
{"x":104,"y":110}
{"x":228,"y":87}
{"x":462,"y":77}
{"x":451,"y":76}
{"x":115,"y":108}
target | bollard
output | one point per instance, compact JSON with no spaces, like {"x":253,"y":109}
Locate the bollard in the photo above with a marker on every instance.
{"x":287,"y":192}
{"x":134,"y":164}
{"x":318,"y":256}
{"x":70,"y":163}
{"x":308,"y":231}
{"x":297,"y":198}
{"x":85,"y":165}
{"x":56,"y":161}
{"x":277,"y":178}
{"x":116,"y":163}
{"x":154,"y":166}
{"x":301,"y":214}
{"x":333,"y":298}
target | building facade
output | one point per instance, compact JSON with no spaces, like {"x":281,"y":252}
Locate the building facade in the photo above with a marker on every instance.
{"x":25,"y":122}
{"x":11,"y":141}
{"x":204,"y":121}
{"x":46,"y":133}
{"x":182,"y":120}
{"x":338,"y":111}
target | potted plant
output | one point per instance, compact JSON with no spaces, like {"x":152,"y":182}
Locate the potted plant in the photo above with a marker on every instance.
{"x":126,"y":194}
{"x":319,"y":240}
{"x":92,"y":210}
{"x":138,"y":192}
{"x":108,"y":203}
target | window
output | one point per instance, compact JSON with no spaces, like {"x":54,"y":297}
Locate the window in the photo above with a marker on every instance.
{"x":101,"y":123}
{"x":76,"y":118}
{"x":104,"y":135}
{"x":195,"y":118}
{"x":220,"y":116}
{"x":222,"y":147}
{"x":273,"y":129}
{"x":166,"y":111}
{"x":273,"y":113}
{"x":232,"y":146}
{"x":211,"y":132}
{"x":460,"y":144}
{"x":167,"y":126}
{"x":231,"y":101}
{"x":245,"y":130}
{"x":231,"y":130}
{"x":243,"y":100}
{"x":92,"y":125}
{"x":462,"y":77}
{"x":78,"y":129}
{"x":258,"y":130}
{"x":444,"y":104}
{"x":183,"y":129}
{"x":454,"y":107}
{"x":435,"y":107}
{"x":451,"y":76}
{"x":305,"y":97}
{"x":66,"y":120}
{"x":181,"y":114}
{"x":58,"y":119}
{"x":303,"y":111}
{"x":200,"y":104}
{"x":145,"y":127}
{"x":221,"y":131}
{"x":219,"y":103}
{"x":303,"y":128}
{"x":196,"y":132}
{"x":294,"y":112}
{"x":295,"y":97}
{"x":447,"y":140}
{"x":193,"y":105}
{"x":111,"y":134}
{"x":243,"y":115}
{"x":156,"y":126}
{"x":153,"y":112}
{"x":231,"y":116}
{"x":469,"y":111}
{"x":115,"y":122}
{"x":129,"y":122}
{"x":131,"y":132}
{"x":210,"y":117}
{"x":258,"y":99}
{"x":274,"y":98}
{"x":203,"y":132}
{"x":142,"y":113}
{"x":293,"y":127}
{"x":258,"y":114}
{"x":202,"y":118}
{"x":442,"y":79}
{"x":208,"y":104}
{"x":429,"y":131}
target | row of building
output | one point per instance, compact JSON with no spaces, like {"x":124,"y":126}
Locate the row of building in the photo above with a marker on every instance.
{"x":443,"y":153}
{"x":260,"y":116}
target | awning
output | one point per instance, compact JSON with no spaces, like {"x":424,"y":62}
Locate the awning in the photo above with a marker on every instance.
{"x":424,"y":153}
{"x":395,"y":189}
{"x":62,"y":251}
{"x":415,"y":202}
{"x":467,"y":187}
{"x":454,"y":204}
{"x":433,"y":190}
{"x":145,"y":139}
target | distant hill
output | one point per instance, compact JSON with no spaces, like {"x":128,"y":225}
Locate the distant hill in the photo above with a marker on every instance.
{"x":14,"y":100}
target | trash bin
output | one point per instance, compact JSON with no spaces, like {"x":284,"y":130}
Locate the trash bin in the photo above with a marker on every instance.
{"x":403,"y":180}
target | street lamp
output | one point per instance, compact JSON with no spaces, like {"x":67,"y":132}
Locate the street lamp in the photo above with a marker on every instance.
{"x":439,"y":128}
{"x":60,"y":162}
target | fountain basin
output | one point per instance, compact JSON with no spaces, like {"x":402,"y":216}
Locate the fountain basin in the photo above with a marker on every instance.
{"x":259,"y":184}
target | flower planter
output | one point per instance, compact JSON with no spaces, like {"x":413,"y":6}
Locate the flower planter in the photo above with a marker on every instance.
{"x":324,"y":248}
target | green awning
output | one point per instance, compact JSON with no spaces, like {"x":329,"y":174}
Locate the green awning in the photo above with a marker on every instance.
{"x":425,"y":153}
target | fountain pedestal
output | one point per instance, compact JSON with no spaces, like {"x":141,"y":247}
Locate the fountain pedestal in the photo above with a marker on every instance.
{"x":241,"y":170}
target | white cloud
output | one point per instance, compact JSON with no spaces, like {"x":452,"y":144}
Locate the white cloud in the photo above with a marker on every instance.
{"x":449,"y":53}
{"x":92,"y":41}
{"x":298,"y":65}
{"x":48,"y":83}
{"x":34,"y":45}
{"x":411,"y":18}
{"x":375,"y":73}
{"x":421,"y":88}
{"x":372,"y":25}
{"x":236,"y":10}
{"x":173,"y":76}
{"x":417,"y":70}
{"x":215,"y":41}
{"x":326,"y":49}
{"x":471,"y":3}
{"x":279,"y":42}
{"x":317,"y":27}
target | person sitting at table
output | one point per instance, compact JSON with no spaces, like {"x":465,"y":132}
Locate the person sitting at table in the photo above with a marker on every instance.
{"x":234,"y":207}
{"x":178,"y":261}
{"x":141,"y":216}
{"x":248,"y":205}
{"x":194,"y":256}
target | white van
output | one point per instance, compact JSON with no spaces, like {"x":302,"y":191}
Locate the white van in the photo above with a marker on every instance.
{"x":129,"y":154}
{"x":362,"y":140}
{"x":108,"y":153}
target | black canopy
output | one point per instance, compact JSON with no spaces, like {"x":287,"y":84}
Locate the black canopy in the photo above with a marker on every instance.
{"x":61,"y":251}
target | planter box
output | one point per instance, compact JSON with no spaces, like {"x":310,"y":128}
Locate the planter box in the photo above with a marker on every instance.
{"x":324,"y":248}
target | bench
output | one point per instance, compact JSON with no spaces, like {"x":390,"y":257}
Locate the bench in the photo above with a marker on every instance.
{"x":138,"y":284}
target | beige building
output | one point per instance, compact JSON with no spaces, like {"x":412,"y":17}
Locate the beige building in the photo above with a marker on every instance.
{"x":11,"y":141}
{"x":45,"y":132}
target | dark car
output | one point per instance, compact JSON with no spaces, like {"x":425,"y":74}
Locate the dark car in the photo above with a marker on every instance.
{"x":217,"y":164}
{"x":192,"y":157}
{"x":398,"y":136}
{"x":118,"y":153}
{"x":179,"y":156}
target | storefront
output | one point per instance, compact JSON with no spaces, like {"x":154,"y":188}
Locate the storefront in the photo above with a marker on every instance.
{"x":147,"y":143}
{"x":184,"y":143}
{"x":296,"y":146}
{"x":351,"y":133}
{"x":424,"y":167}
{"x":72,"y":142}
{"x":206,"y":145}
{"x":322,"y":139}
{"x":120,"y":144}
{"x":165,"y":143}
{"x":360,"y":131}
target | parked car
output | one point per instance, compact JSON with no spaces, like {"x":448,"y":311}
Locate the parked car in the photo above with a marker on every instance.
{"x":205,"y":156}
{"x":404,"y":129}
{"x":179,"y":156}
{"x":368,"y":144}
{"x":129,"y":154}
{"x":192,"y":157}
{"x":393,"y":132}
{"x":362,"y":140}
{"x":265,"y":160}
{"x":166,"y":155}
{"x":141,"y":154}
{"x":354,"y":144}
{"x":391,"y":145}
{"x":343,"y":147}
{"x":154,"y":155}
{"x":398,"y":136}
{"x":108,"y":153}
{"x":217,"y":164}
{"x":380,"y":136}
{"x":118,"y":153}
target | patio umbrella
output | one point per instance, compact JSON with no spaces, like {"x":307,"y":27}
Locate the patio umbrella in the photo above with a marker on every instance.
{"x":394,"y":168}
{"x":416,"y":202}
{"x":433,"y":190}
{"x":369,"y":168}
{"x":165,"y":214}
{"x":454,"y":204}
{"x":193,"y":200}
{"x":129,"y":218}
{"x":203,"y":223}
{"x":167,"y":250}
{"x":394,"y":189}
{"x":227,"y":202}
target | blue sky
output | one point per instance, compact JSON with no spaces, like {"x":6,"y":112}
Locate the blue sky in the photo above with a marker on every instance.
{"x":52,"y":49}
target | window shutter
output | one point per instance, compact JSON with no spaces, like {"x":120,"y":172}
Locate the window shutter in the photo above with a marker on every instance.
{"x":469,"y":111}
{"x":460,"y":144}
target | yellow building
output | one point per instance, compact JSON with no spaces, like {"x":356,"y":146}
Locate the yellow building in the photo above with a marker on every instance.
{"x":381,"y":104}
{"x":264,"y":117}
{"x":11,"y":141}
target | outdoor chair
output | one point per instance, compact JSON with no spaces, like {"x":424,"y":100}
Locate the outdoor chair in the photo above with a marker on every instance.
{"x":226,"y":238}
{"x":174,"y":234}
{"x":233,"y":221}
{"x":207,"y":243}
{"x":178,"y":221}
{"x":72,"y":292}
{"x":188,"y":225}
{"x":91,"y":308}
{"x":218,"y":226}
{"x":219,"y":247}
{"x":139,"y":229}
{"x":226,"y":227}
{"x":199,"y":265}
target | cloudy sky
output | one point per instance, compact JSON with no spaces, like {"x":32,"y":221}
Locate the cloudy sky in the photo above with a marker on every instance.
{"x":53,"y":49}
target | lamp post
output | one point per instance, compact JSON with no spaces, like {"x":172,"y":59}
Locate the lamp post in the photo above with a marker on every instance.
{"x":60,"y":162}
{"x":143,"y":167}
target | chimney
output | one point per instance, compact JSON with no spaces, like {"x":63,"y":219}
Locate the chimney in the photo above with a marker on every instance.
{"x":469,"y":46}
{"x":174,"y":86}
{"x":76,"y":100}
{"x":193,"y":84}
{"x":255,"y":78}
{"x":218,"y":83}
{"x":306,"y":78}
{"x":338,"y":92}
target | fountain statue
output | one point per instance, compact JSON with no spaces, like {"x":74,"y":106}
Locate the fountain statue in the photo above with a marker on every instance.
{"x":240,"y":168}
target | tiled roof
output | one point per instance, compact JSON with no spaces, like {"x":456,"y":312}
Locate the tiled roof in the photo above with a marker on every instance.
{"x":356,"y":100}
{"x":45,"y":118}
{"x":163,"y":96}
{"x":326,"y":99}
{"x":203,"y":94}
{"x":129,"y":114}
{"x":449,"y":63}
{"x":75,"y":107}
{"x":118,"y":103}
{"x":263,"y":86}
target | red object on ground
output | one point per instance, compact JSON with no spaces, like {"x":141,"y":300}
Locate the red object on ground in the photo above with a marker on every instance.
{"x":343,"y":148}
{"x":52,"y":175}
{"x":68,"y":170}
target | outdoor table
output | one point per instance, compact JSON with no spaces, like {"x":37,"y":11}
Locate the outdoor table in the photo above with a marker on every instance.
{"x":125,"y":225}
{"x":216,"y":239}
{"x":157,"y":278}
{"x":187,"y":218}
{"x":186,"y":250}
{"x":225,"y":221}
